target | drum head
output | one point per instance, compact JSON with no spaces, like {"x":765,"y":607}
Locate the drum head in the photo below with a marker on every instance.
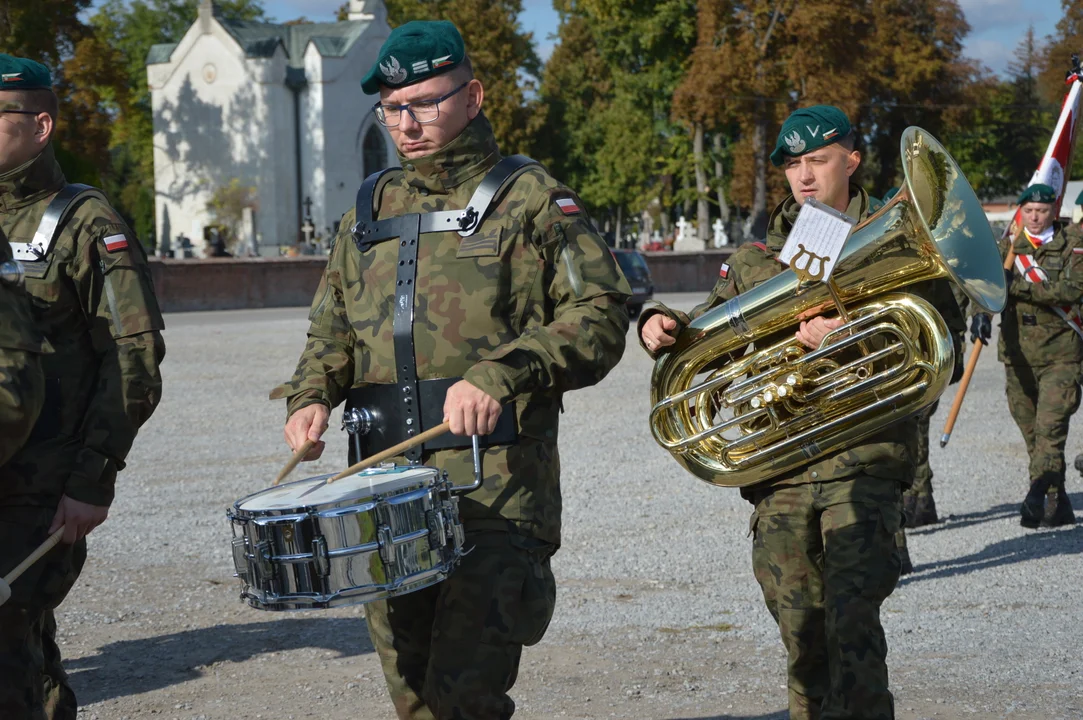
{"x":316,"y":491}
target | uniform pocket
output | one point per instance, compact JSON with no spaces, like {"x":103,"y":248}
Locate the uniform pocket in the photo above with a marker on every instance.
{"x":484,"y":243}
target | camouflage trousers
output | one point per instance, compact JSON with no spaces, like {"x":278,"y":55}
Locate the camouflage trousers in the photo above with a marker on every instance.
{"x":1042,"y":400}
{"x":33,"y":685}
{"x":825,"y":557}
{"x":919,"y":452}
{"x":451,"y":651}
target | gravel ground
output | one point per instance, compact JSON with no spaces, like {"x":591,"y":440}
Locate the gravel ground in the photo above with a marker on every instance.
{"x":658,"y":615}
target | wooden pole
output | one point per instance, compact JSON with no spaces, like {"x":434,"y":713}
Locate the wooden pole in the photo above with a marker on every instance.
{"x":393,"y":451}
{"x":965,"y":381}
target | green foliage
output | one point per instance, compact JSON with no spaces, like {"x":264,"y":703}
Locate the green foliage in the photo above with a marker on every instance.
{"x":228,"y":204}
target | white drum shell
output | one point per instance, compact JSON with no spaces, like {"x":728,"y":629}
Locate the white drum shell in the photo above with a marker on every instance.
{"x":402,"y":536}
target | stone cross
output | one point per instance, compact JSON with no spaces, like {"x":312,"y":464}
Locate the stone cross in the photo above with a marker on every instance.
{"x":720,"y":237}
{"x":308,"y":207}
{"x":308,"y":229}
{"x":683,"y":226}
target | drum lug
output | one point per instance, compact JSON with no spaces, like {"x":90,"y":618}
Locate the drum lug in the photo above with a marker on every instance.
{"x":262,"y":555}
{"x":320,"y":556}
{"x":387,"y":544}
{"x":240,"y":558}
{"x":437,"y":529}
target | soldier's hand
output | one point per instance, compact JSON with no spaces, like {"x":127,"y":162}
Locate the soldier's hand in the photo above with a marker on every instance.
{"x":981,"y":328}
{"x":77,"y":518}
{"x":812,"y":332}
{"x":308,"y":423}
{"x":470,"y":410}
{"x":656,"y":332}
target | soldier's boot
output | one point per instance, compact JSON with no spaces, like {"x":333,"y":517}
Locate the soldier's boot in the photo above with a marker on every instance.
{"x":1058,"y":508}
{"x":1079,"y":463}
{"x":1033,"y":508}
{"x":924,"y":512}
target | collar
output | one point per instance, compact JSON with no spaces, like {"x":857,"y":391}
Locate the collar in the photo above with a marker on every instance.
{"x":1024,"y":245}
{"x":472,"y":153}
{"x":30,"y":182}
{"x":785,"y":215}
{"x":1041,"y":239}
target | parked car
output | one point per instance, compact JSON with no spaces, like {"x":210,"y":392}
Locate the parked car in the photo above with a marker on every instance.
{"x":634,"y":267}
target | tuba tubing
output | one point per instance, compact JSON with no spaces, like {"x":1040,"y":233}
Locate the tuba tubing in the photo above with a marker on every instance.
{"x":782,"y":405}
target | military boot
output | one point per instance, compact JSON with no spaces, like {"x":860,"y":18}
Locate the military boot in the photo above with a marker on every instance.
{"x":923,"y":512}
{"x":1079,"y":463}
{"x":1033,"y":509}
{"x":1058,"y":508}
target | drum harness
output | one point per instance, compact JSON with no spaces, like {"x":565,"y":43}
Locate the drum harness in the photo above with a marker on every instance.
{"x":380,"y":416}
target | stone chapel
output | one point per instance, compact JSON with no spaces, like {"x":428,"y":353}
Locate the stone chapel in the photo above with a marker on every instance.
{"x":277,"y":108}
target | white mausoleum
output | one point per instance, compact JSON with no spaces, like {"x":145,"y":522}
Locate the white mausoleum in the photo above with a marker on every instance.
{"x":279,"y":108}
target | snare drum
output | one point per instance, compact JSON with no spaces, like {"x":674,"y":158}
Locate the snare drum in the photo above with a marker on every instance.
{"x":383,"y":532}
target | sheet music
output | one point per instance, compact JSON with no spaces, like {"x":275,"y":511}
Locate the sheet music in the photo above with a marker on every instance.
{"x":816,"y":240}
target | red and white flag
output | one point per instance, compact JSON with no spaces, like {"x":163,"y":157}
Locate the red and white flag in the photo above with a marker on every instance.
{"x":1056,"y":163}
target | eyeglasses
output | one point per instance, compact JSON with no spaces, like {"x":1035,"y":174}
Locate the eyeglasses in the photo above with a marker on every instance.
{"x":422,"y":111}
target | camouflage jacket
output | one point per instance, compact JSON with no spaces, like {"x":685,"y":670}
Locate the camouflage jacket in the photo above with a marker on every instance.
{"x":96,"y":306}
{"x":884,"y":454}
{"x":22,"y":385}
{"x":1031,"y":332}
{"x":529,"y":307}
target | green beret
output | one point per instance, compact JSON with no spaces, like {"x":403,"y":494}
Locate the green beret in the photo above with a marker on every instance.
{"x":1039,"y":193}
{"x":22,"y":74}
{"x":1079,"y":198}
{"x":890,"y":194}
{"x":810,"y":129}
{"x":413,"y":52}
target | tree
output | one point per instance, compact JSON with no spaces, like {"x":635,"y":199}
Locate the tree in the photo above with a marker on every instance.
{"x":1066,"y":40}
{"x":607,"y":93}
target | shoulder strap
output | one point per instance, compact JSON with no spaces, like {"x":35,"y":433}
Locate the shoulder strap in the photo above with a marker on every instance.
{"x":59,"y":209}
{"x":502,"y":176}
{"x":761,"y":246}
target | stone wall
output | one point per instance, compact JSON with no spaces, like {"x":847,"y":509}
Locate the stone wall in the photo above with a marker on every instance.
{"x":236,"y":283}
{"x":241,"y":283}
{"x":686,"y":272}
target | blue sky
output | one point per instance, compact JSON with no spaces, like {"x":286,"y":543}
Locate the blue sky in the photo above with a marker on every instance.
{"x":997,"y":26}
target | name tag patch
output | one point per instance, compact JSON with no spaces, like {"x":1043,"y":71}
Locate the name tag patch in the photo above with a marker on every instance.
{"x":114,"y":243}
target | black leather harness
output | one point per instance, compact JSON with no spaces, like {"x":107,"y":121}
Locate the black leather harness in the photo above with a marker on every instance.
{"x":410,"y":406}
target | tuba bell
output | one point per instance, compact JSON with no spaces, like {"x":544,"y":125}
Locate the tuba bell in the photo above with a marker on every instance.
{"x":734,"y":418}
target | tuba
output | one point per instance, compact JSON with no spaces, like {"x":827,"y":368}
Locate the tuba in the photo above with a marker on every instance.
{"x":734,"y":418}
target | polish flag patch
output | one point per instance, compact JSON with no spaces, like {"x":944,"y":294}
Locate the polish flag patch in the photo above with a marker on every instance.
{"x":1077,"y":251}
{"x":724,"y":272}
{"x":568,"y":206}
{"x":113,"y":243}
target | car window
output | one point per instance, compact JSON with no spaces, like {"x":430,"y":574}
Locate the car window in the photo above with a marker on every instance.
{"x":633,"y":265}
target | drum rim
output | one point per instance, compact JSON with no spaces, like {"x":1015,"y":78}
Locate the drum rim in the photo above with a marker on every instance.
{"x":428,"y":480}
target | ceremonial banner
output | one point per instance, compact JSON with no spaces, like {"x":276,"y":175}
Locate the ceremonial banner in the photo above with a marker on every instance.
{"x":1056,"y":163}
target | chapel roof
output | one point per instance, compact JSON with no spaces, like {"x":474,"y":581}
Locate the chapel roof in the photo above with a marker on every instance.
{"x":260,"y":40}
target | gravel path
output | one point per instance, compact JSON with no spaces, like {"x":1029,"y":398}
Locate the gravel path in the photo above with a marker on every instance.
{"x":658,"y":614}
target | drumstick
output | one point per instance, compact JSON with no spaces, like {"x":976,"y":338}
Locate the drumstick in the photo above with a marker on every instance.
{"x":49,"y":544}
{"x":297,"y":457}
{"x":393,"y":451}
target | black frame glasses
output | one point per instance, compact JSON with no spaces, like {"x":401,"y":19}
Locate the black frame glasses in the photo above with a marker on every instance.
{"x":381,"y":110}
{"x":22,"y":112}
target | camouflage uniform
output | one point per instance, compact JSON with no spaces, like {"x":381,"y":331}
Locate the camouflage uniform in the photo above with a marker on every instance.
{"x":96,"y":306}
{"x":824,"y":535}
{"x":22,"y":385}
{"x":1042,"y":354}
{"x":529,"y":307}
